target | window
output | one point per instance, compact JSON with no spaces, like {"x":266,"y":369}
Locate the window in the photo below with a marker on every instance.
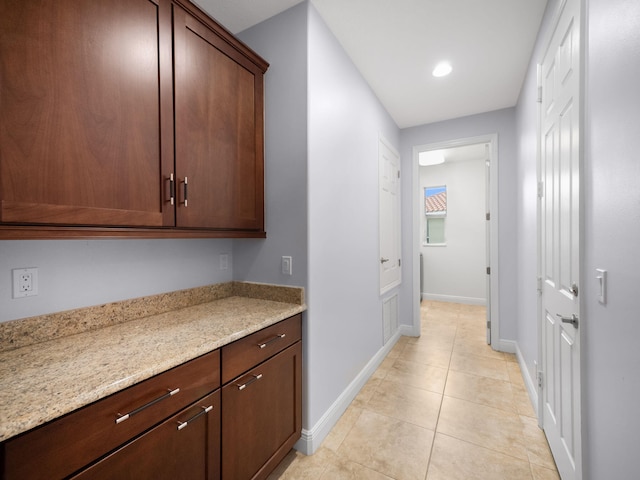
{"x":435,"y":207}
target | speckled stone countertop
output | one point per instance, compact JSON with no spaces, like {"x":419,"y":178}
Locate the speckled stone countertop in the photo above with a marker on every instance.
{"x":42,"y":381}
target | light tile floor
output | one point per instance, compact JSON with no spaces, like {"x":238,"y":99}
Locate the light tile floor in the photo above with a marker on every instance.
{"x":443,"y":406}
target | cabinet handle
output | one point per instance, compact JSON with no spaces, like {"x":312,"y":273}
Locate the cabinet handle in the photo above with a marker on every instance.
{"x":277,"y":337}
{"x":172,"y":189}
{"x":185,"y":183}
{"x":246,"y":384}
{"x":204,"y":411}
{"x":121,"y":418}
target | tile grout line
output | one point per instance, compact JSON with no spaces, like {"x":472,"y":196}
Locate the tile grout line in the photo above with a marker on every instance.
{"x":444,"y":388}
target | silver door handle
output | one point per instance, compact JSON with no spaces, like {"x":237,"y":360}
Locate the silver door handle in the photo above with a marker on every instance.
{"x":383,"y":260}
{"x":574,"y":289}
{"x":573,"y":319}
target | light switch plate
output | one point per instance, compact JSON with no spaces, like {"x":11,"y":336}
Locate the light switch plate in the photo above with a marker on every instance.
{"x":224,"y":261}
{"x":286,"y":266}
{"x":601,"y":276}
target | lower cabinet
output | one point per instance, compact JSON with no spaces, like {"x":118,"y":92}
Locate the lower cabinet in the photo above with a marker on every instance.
{"x":262,"y":416}
{"x":186,"y":445}
{"x":180,"y":424}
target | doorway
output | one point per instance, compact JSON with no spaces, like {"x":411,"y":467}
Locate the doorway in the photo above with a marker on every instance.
{"x":434,"y":225}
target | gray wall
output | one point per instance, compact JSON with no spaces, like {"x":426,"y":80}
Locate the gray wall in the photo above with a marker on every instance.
{"x":501,"y":122}
{"x":526,"y":219}
{"x":322,"y":144}
{"x":345,"y":309}
{"x":611,"y":367}
{"x":81,"y":273}
{"x":455,"y":272}
{"x":282,"y":41}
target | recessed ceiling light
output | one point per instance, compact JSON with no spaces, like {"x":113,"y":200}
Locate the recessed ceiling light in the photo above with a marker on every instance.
{"x":430,"y":158}
{"x":442,"y":69}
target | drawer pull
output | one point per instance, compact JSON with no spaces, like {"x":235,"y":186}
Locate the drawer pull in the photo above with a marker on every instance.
{"x":205,"y":410}
{"x":172,"y":189}
{"x":246,"y":384}
{"x":277,"y":337}
{"x":121,"y":418}
{"x":185,"y":183}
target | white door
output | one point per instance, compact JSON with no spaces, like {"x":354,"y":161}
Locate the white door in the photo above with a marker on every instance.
{"x":389,"y":186}
{"x":560,"y":242}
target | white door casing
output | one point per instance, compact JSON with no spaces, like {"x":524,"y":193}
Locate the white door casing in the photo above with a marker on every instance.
{"x":493,"y":259}
{"x":487,"y":179}
{"x":559,"y":237}
{"x":389,"y":212}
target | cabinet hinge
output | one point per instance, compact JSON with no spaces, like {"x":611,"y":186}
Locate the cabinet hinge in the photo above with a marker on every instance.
{"x":488,"y":216}
{"x":539,"y":93}
{"x":540,"y":189}
{"x":540,"y":379}
{"x":488,"y":270}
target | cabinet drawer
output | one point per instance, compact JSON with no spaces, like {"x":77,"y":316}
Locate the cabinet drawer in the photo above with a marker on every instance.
{"x":71,"y":442}
{"x":186,"y":445}
{"x":246,"y":353}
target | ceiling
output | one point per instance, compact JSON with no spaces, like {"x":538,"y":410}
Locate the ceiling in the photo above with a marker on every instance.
{"x":463,"y":153}
{"x":396,"y":44}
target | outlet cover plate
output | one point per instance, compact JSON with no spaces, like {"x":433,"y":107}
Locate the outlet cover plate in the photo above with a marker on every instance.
{"x":25,"y":282}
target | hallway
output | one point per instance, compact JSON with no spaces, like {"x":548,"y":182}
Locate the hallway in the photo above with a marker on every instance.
{"x":443,"y":406}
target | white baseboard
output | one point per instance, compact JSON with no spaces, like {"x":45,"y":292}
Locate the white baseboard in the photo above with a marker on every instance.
{"x":530,"y":384}
{"x":311,"y":439}
{"x":508,"y":346}
{"x":454,"y":299}
{"x":409,"y":330}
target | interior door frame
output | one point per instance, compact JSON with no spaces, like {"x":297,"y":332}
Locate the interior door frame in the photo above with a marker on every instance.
{"x":493,"y":294}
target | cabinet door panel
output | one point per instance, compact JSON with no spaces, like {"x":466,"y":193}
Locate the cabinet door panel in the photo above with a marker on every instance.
{"x":80,"y":126}
{"x":193,"y":452}
{"x":218,"y":102}
{"x":262,"y":420}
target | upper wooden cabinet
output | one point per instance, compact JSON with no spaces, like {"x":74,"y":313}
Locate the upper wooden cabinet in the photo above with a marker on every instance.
{"x":218,"y":129}
{"x":89,"y":138}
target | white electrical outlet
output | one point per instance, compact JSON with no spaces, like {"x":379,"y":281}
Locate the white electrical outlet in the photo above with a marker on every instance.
{"x":25,"y":282}
{"x":286,"y":266}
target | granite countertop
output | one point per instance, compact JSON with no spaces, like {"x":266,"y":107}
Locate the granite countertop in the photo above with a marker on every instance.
{"x":42,"y":381}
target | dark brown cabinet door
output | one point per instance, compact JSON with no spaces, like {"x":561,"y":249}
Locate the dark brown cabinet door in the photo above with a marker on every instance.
{"x":218,"y":130}
{"x":81,"y":90}
{"x":262,"y":416}
{"x":185,"y":446}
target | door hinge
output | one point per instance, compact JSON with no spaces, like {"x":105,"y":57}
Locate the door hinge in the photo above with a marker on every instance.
{"x":539,"y":285}
{"x":488,"y":216}
{"x":488,"y":270}
{"x":539,"y":93}
{"x":399,"y":262}
{"x":488,"y":324}
{"x":540,"y":189}
{"x":540,"y":379}
{"x":398,"y":173}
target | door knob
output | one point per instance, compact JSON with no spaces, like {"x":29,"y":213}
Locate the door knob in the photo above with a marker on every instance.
{"x":573,"y":319}
{"x":574,"y":289}
{"x":383,"y":260}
